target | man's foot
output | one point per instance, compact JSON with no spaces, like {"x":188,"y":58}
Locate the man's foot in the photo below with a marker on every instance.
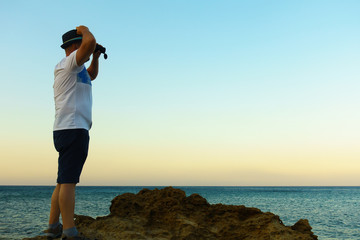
{"x":52,"y":233}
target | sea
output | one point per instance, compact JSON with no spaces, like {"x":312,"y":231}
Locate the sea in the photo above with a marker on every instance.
{"x":333,"y":212}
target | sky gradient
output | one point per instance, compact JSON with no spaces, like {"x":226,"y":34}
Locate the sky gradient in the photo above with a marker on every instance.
{"x":239,"y":93}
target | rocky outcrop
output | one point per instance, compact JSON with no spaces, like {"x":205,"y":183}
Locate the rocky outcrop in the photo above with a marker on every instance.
{"x":167,"y":214}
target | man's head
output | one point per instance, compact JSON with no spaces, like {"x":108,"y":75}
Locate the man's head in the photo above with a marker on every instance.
{"x":71,"y":41}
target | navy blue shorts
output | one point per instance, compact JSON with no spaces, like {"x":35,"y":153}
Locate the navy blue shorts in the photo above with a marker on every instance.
{"x":73,"y":146}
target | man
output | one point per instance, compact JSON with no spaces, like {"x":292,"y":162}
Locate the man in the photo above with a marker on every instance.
{"x":73,"y":105}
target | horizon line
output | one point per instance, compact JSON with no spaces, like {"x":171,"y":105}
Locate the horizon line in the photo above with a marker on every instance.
{"x":174,"y":186}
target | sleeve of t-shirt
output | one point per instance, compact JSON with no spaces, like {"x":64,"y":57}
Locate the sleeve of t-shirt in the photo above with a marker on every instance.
{"x":71,"y":64}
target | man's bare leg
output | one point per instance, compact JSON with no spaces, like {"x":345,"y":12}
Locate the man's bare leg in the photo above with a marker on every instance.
{"x":55,"y":228}
{"x":67,"y":204}
{"x":55,"y":208}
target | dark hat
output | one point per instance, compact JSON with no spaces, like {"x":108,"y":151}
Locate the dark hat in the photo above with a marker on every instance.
{"x":70,"y":37}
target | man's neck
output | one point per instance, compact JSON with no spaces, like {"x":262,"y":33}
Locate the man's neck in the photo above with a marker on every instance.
{"x":69,"y":52}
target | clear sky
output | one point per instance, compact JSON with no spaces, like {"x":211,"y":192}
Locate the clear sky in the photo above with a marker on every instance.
{"x":201,"y":92}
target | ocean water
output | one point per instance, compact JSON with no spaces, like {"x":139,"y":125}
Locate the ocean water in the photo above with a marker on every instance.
{"x":333,"y":212}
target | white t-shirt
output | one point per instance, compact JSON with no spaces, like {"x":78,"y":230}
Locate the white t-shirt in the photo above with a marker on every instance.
{"x":72,"y":95}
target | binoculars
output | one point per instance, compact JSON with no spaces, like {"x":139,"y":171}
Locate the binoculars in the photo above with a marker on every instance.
{"x":101,"y":49}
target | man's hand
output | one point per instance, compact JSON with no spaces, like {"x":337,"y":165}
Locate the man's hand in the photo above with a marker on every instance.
{"x":96,"y":54}
{"x":81,"y":29}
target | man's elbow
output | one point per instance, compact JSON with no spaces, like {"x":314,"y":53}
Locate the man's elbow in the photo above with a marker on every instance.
{"x":92,"y":75}
{"x":90,"y":45}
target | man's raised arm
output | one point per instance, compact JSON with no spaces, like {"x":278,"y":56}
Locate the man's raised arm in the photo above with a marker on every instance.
{"x":87,"y":46}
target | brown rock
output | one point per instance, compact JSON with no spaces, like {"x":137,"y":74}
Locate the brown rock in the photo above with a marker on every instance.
{"x":167,"y":214}
{"x":302,"y":226}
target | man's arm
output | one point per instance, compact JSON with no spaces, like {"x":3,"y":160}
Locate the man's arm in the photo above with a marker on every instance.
{"x":87,"y":46}
{"x":93,"y":69}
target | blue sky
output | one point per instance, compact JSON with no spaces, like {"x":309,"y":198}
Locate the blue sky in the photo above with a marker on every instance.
{"x":193,"y":92}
